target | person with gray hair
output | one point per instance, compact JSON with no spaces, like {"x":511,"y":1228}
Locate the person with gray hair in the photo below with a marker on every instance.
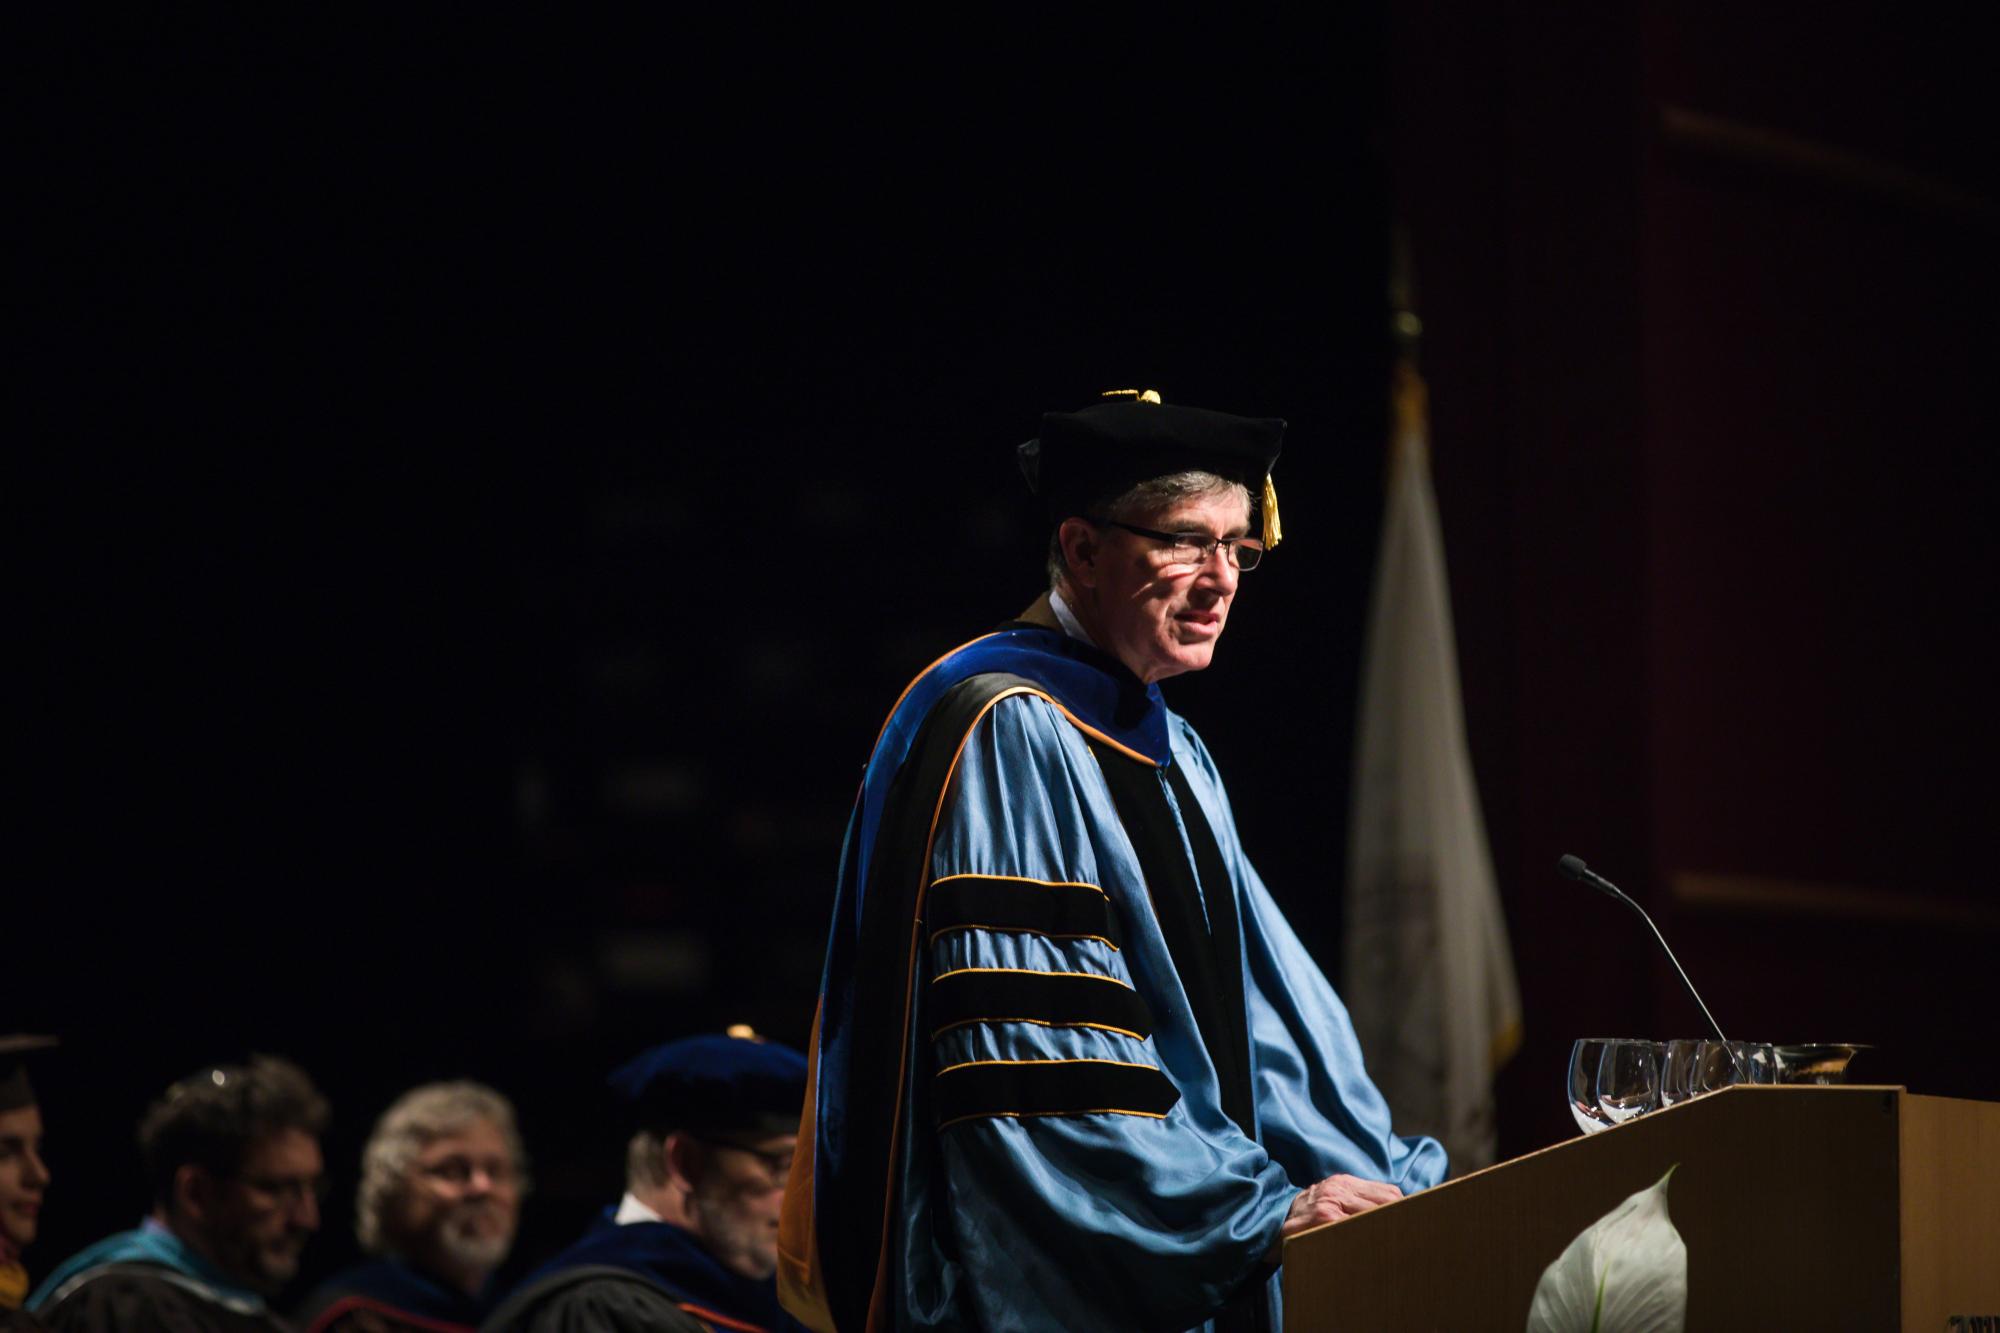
{"x":442,"y":1179}
{"x":692,"y":1245}
{"x":1072,"y":1068}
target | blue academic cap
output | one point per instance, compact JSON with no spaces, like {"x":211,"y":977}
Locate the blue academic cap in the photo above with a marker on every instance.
{"x":715,"y":1083}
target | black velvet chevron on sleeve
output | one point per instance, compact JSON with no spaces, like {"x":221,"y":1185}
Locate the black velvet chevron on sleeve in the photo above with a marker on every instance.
{"x":987,"y":902}
{"x":1056,"y":999}
{"x":990,"y":1088}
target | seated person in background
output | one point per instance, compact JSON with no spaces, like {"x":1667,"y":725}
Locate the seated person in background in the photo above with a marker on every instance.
{"x":693,"y":1244}
{"x":441,"y":1183}
{"x":233,"y":1156}
{"x":23,"y":1176}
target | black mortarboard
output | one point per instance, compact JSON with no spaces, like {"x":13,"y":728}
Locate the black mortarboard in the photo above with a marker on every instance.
{"x":1083,"y":457}
{"x":715,"y":1083}
{"x":15,"y":1089}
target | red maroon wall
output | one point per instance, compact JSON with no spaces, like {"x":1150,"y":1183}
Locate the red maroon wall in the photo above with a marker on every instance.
{"x":1706,"y":301}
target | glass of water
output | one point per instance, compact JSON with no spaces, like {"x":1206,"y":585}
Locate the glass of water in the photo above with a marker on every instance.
{"x":1722,"y":1064}
{"x":1584,"y":1059}
{"x":1677,"y":1070}
{"x":1628,"y":1079}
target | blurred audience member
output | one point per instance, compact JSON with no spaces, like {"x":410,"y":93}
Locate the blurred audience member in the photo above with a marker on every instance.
{"x":232,"y":1154}
{"x":693,"y":1244}
{"x":441,"y":1185}
{"x":23,"y":1175}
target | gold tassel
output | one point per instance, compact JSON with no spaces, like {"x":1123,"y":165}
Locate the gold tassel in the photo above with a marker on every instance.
{"x":1273,"y":533}
{"x":1136,"y":395}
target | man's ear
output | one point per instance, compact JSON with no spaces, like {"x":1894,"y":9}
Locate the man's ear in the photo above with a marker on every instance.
{"x":194,"y":1192}
{"x":1079,"y":540}
{"x":684,"y":1160}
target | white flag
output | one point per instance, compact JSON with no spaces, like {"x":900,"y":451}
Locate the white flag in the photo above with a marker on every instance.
{"x":1430,"y":976}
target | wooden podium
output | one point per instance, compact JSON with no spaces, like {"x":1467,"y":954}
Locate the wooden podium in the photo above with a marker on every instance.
{"x":1860,"y":1208}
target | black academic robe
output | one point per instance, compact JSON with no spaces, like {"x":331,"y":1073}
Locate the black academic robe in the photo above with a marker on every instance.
{"x":593,"y":1300}
{"x":388,"y":1297}
{"x":645,"y":1275}
{"x":139,"y":1298}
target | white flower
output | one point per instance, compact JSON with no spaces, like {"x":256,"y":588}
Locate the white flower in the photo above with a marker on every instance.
{"x":1627,"y":1273}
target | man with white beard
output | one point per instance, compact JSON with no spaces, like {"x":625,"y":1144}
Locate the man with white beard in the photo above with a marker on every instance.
{"x":442,"y":1179}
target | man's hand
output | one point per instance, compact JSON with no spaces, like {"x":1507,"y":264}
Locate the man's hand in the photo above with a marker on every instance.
{"x":1329,"y":1201}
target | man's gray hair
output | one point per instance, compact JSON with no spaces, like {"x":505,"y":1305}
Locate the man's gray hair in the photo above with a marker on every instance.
{"x":1153,"y":493}
{"x":415,"y":1120}
{"x":646,"y":1161}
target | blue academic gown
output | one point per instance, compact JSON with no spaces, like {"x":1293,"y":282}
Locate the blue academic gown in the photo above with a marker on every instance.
{"x":1018,"y":1119}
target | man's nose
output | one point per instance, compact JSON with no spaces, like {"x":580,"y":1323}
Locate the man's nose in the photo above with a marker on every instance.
{"x":36,"y":1172}
{"x":1219,"y":571}
{"x":305,"y":1211}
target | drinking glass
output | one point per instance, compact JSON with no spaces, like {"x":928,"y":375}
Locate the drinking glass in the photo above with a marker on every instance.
{"x":1584,"y":1059}
{"x":1715,"y":1067}
{"x":1677,"y":1071}
{"x":1628,"y":1079}
{"x":1760,"y":1058}
{"x":1719,"y":1065}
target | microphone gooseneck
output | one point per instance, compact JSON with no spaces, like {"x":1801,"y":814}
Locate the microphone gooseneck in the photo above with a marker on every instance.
{"x":1572,"y":867}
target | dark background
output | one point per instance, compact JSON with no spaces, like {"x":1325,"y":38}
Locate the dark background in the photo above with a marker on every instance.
{"x":483,"y":481}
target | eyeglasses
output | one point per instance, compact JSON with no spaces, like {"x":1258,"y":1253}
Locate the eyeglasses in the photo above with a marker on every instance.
{"x":1192,"y":549}
{"x":288,"y":1189}
{"x":777,"y":1164}
{"x":458,"y":1170}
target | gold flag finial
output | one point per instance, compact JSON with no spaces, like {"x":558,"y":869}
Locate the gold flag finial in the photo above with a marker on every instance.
{"x":1136,"y":395}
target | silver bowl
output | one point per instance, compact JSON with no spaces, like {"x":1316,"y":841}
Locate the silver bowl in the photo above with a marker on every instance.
{"x":1819,"y":1062}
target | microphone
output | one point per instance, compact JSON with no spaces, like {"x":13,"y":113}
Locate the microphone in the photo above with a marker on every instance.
{"x":1572,"y":867}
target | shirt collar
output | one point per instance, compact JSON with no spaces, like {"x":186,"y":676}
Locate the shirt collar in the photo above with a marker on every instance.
{"x":1071,"y":625}
{"x":630,"y":1210}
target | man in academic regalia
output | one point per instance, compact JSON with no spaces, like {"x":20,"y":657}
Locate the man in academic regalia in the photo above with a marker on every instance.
{"x":1072,"y":1069}
{"x":692,"y":1245}
{"x":442,"y":1178}
{"x":234,"y":1159}
{"x":23,"y":1175}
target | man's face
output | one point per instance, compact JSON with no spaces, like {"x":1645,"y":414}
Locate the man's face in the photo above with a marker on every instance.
{"x":1157,"y":618}
{"x":22,"y":1175}
{"x":735,"y":1204}
{"x":261,"y":1218}
{"x":459,"y":1203}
